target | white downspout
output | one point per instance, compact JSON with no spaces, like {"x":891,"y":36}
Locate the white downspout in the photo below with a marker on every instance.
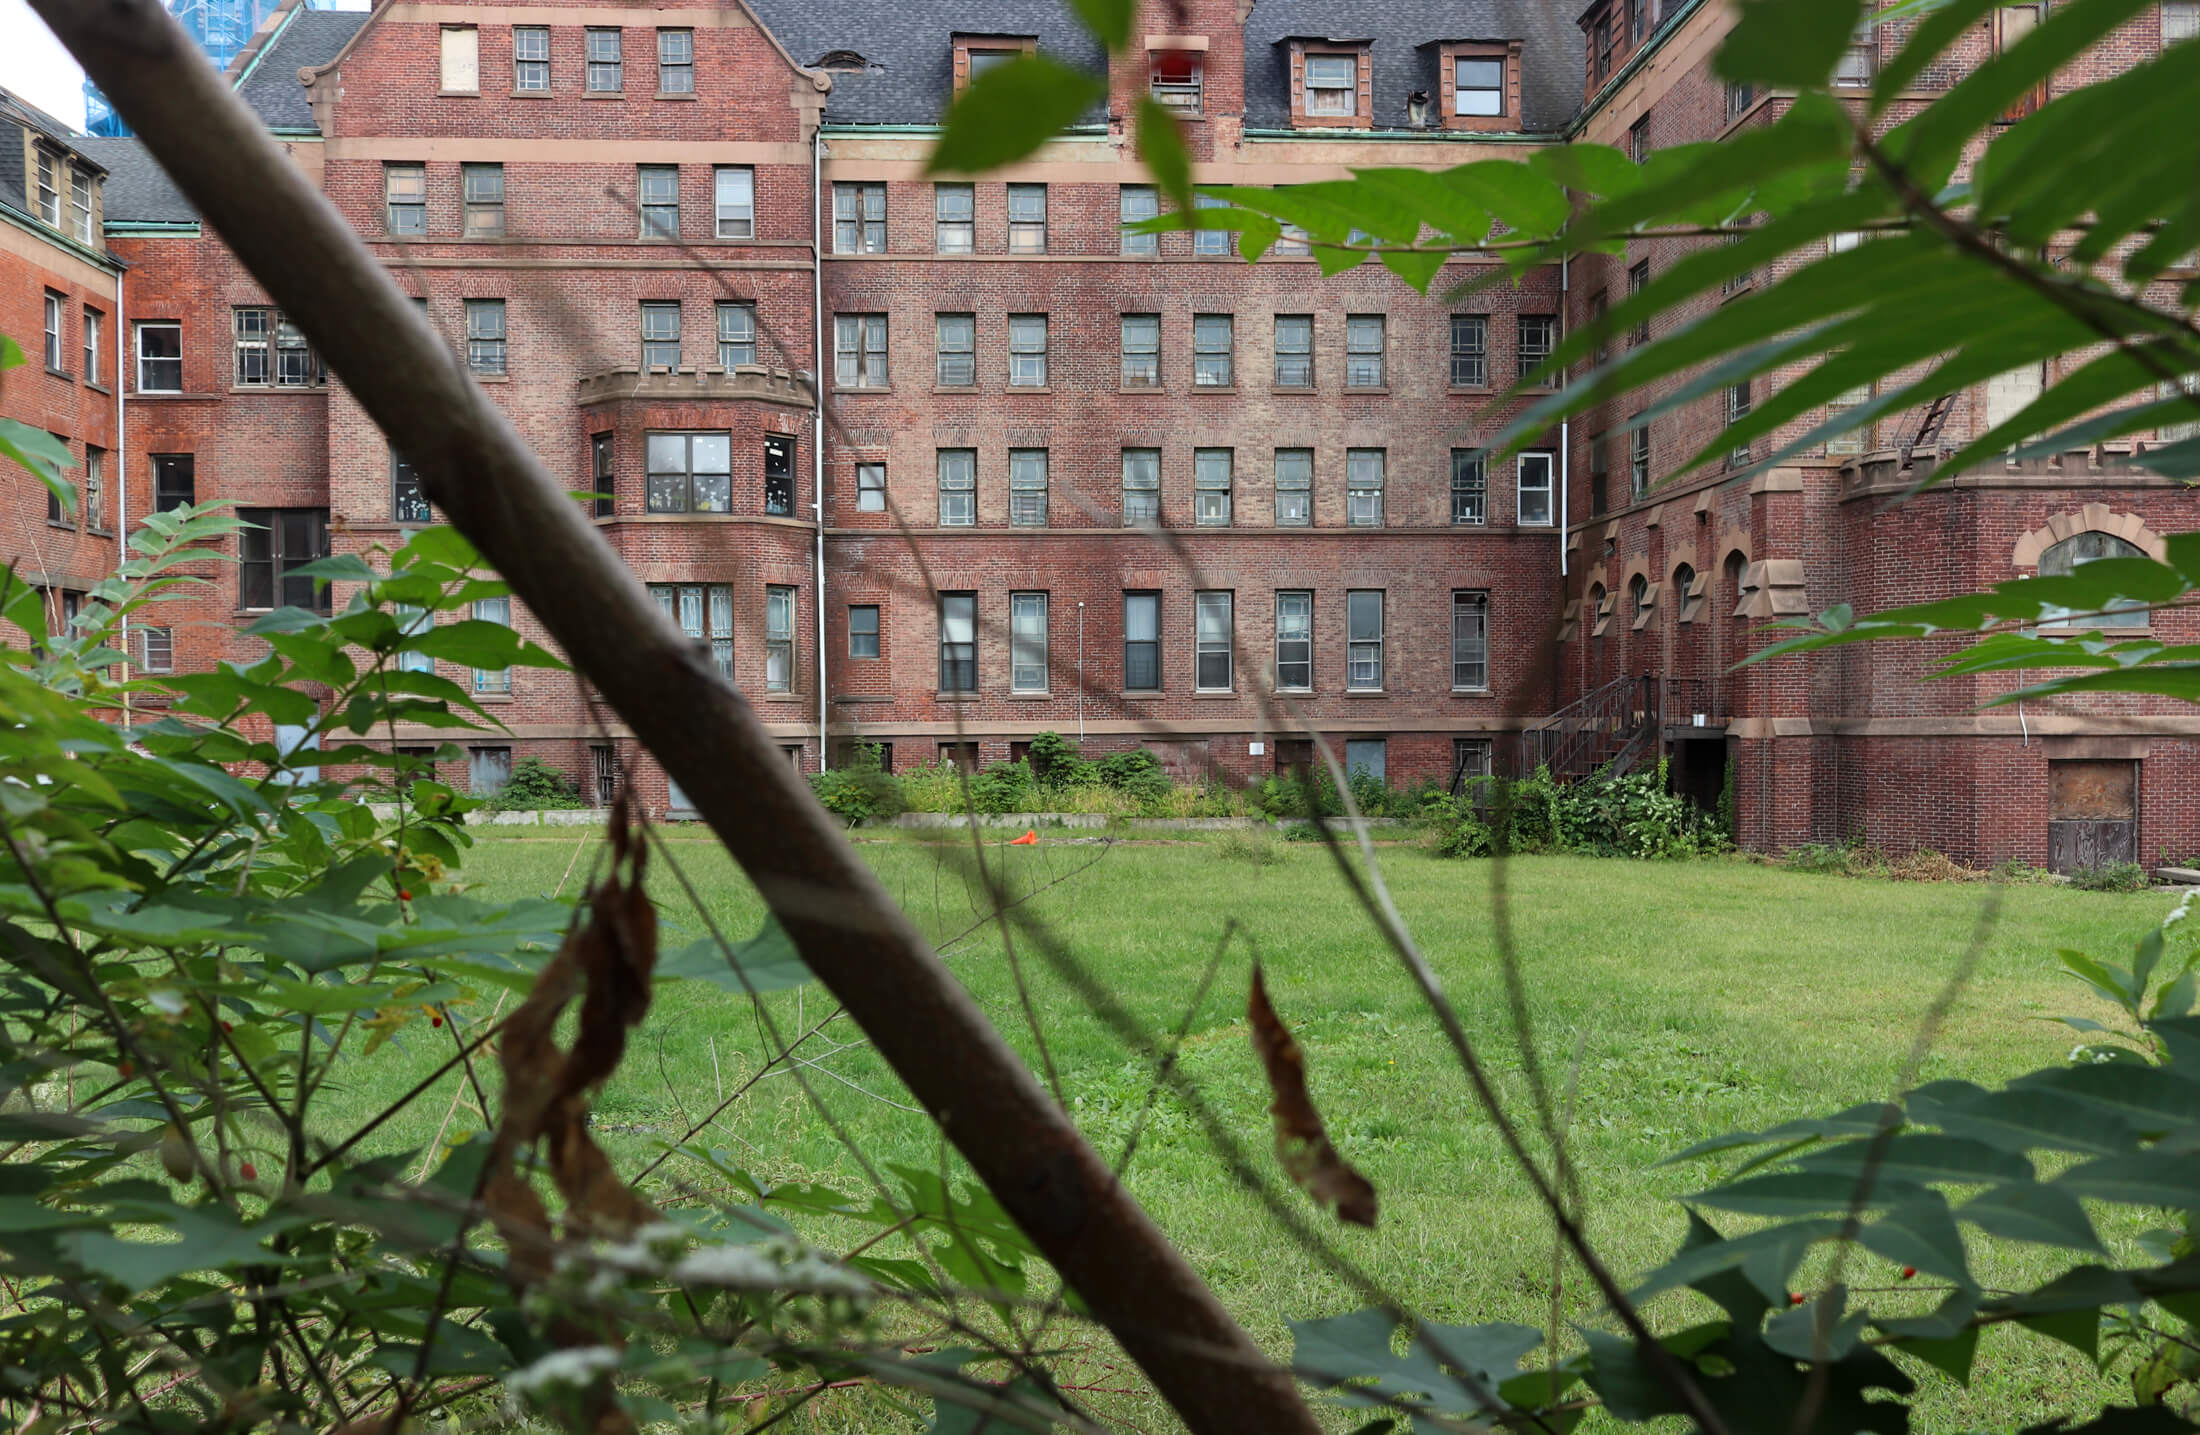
{"x":121,"y":478}
{"x":817,"y":392}
{"x":1565,"y":434}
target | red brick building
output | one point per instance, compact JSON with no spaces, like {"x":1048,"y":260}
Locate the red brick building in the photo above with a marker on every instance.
{"x":942,"y":465}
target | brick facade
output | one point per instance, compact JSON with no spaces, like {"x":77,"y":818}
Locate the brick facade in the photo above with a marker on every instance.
{"x":1844,"y":744}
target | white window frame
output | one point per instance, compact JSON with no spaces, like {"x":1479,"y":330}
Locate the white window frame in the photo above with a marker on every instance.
{"x":1535,"y":478}
{"x":1294,"y":639}
{"x":955,"y":351}
{"x":1027,"y":351}
{"x":870,"y":488}
{"x":1364,"y":641}
{"x":1141,"y":477}
{"x":1147,"y":373}
{"x":1213,"y":471}
{"x":1470,"y":636}
{"x":1327,"y":75}
{"x":733,"y":201}
{"x":605,"y":60}
{"x":1027,"y":487}
{"x":1214,"y":635}
{"x":164,"y":326}
{"x":659,"y":215}
{"x":1493,"y":106}
{"x":958,"y":485}
{"x":859,"y":216}
{"x":954,"y":218}
{"x":530,"y":61}
{"x":1027,"y":219}
{"x":675,"y":60}
{"x":1365,"y":471}
{"x":493,"y":610}
{"x":1136,"y":203}
{"x":1294,"y":469}
{"x":1365,"y":363}
{"x":779,"y":640}
{"x":704,"y":612}
{"x":95,"y":325}
{"x":858,"y":362}
{"x":736,"y":334}
{"x":1027,"y":643}
{"x":1214,"y":351}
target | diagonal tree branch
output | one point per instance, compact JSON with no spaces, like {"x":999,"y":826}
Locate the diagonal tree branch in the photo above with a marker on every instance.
{"x":493,"y":490}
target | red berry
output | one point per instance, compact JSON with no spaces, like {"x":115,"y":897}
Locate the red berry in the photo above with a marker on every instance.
{"x":1908,"y":1271}
{"x":438,"y":1021}
{"x":403,"y":895}
{"x":1796,"y":1299}
{"x":249,"y":1171}
{"x":127,"y":1070}
{"x":227,"y":1027}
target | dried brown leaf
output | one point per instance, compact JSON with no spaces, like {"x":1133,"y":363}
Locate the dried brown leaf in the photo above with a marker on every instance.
{"x":1302,"y":1141}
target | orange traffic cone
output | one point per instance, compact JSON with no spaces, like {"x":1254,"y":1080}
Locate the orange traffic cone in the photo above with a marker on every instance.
{"x":1029,"y":839}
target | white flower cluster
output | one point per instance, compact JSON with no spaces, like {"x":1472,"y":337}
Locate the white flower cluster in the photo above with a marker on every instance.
{"x":2182,"y":910}
{"x":661,"y":1250}
{"x":561,"y":1371}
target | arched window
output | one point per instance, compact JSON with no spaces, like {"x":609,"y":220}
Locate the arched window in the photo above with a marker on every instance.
{"x":2065,"y":558}
{"x":1684,"y":606}
{"x":1636,"y":588}
{"x":1736,"y":565}
{"x":1597,"y":614}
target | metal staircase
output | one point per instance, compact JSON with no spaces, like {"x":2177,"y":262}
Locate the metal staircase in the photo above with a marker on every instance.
{"x":1927,"y":437}
{"x":1606,"y":731}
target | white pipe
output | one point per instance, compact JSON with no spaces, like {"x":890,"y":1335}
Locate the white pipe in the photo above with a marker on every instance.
{"x":1080,"y":674}
{"x":121,"y":480}
{"x":817,"y":393}
{"x":1565,"y":435}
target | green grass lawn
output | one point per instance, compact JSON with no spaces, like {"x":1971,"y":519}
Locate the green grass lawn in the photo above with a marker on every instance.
{"x":1682,"y":999}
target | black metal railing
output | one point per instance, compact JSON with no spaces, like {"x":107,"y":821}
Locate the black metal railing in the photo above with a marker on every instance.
{"x":1590,"y":732}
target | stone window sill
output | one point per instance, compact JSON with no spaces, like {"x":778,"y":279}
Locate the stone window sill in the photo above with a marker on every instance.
{"x":1030,"y":388}
{"x":954,"y":697}
{"x":458,"y":94}
{"x":481,"y":378}
{"x":869,"y":389}
{"x":1470,"y":692}
{"x":1145,"y":694}
{"x":778,"y":697}
{"x":603,"y":94}
{"x":1214,"y":389}
{"x":1294,"y":389}
{"x":1367,"y":389}
{"x":1016,"y":697}
{"x":481,"y":697}
{"x":97,"y":387}
{"x":64,"y":525}
{"x":1214,"y":694}
{"x":674,"y":95}
{"x":60,"y":374}
{"x":1365,"y":693}
{"x":530,"y":94}
{"x":1153,"y":389}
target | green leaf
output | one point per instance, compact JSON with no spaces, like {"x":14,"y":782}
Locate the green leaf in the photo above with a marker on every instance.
{"x":1922,"y":1157}
{"x":1787,"y":44}
{"x":2143,"y":1178}
{"x":1952,"y":1356}
{"x":1920,"y":1233}
{"x":1109,"y":20}
{"x":1800,"y":1193}
{"x":1010,"y":111}
{"x":1161,"y":146}
{"x":768,"y":962}
{"x":2046,"y":1215}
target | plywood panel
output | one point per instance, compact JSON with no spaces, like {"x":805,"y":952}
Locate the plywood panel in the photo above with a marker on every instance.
{"x":2092,"y":791}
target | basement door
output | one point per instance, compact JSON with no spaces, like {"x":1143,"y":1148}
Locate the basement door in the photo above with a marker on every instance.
{"x":2092,"y":813}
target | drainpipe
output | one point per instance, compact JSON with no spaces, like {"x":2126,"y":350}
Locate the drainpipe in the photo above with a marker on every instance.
{"x":121,"y":478}
{"x":817,"y":393}
{"x":1081,"y":674}
{"x":1565,"y":435}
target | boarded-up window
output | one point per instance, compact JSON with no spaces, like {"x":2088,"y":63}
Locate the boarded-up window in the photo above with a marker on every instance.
{"x":2092,"y":813}
{"x":461,"y":59}
{"x":2008,"y":394}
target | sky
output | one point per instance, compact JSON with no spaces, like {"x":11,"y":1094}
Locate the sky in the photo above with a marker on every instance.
{"x":35,"y":66}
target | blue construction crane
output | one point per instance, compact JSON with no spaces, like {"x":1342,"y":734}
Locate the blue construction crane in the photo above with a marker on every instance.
{"x":221,"y":27}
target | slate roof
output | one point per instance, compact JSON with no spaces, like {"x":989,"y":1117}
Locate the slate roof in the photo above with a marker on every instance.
{"x":22,"y":115}
{"x":909,"y":45}
{"x":311,"y":38}
{"x":1405,"y":57}
{"x":138,"y":189}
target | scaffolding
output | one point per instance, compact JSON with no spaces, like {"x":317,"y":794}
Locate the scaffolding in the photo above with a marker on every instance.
{"x":222,"y":28}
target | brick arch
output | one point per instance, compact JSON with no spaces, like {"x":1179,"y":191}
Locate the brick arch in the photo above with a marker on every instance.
{"x":2093,"y":518}
{"x":1677,"y":555}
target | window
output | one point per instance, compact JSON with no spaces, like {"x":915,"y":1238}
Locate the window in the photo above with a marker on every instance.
{"x":602,"y":449}
{"x":485,"y":335}
{"x":1211,"y":487}
{"x":733,"y":189}
{"x":1176,"y":80}
{"x":1364,"y":639}
{"x":1688,"y":601}
{"x":1599,"y":307}
{"x":1213,"y":642}
{"x":1294,"y":487}
{"x":690,"y":472}
{"x":703,"y":611}
{"x":954,"y":218}
{"x":1363,"y":483}
{"x":863,"y":630}
{"x":1478,"y":86}
{"x":859,"y":351}
{"x":859,"y":218}
{"x":1027,"y":487}
{"x":779,"y":475}
{"x":410,"y":622}
{"x":1638,"y":459}
{"x":1738,"y":400}
{"x":1027,"y":351}
{"x":603,"y":768}
{"x":1638,"y":279}
{"x":984,"y":60}
{"x":95,"y":327}
{"x":275,"y":544}
{"x":1856,"y":439}
{"x":1027,"y":642}
{"x":958,"y":469}
{"x":736,"y":335}
{"x":2180,"y":20}
{"x":1533,"y":473}
{"x":1142,"y":642}
{"x":296,"y":365}
{"x":1141,"y":351}
{"x":156,"y":650}
{"x":54,"y":303}
{"x":531,"y":59}
{"x":870,"y":488}
{"x":95,"y":489}
{"x":1538,"y":336}
{"x":80,"y":204}
{"x":1603,"y":42}
{"x":59,"y":509}
{"x":658,"y":187}
{"x":1470,"y":351}
{"x":1600,"y":474}
{"x":1363,"y":351}
{"x":778,"y":639}
{"x":1027,"y":219}
{"x":660,"y":335}
{"x":487,"y":770}
{"x":962,"y":754}
{"x":405,"y":198}
{"x":1638,"y":140}
{"x":1210,"y":242}
{"x":1141,"y":486}
{"x":1470,"y":641}
{"x":2179,"y":430}
{"x":675,"y":62}
{"x":174,"y":481}
{"x":2065,"y":558}
{"x":483,"y":187}
{"x":1212,"y":338}
{"x":160,"y":357}
{"x":1295,"y":642}
{"x":461,"y":59}
{"x":49,"y":188}
{"x":1738,"y":100}
{"x":1332,"y":85}
{"x":605,"y":61}
{"x":1294,"y":351}
{"x":958,"y":642}
{"x":1470,"y":758}
{"x":1139,"y":202}
{"x":955,"y":349}
{"x":1856,"y":65}
{"x":1469,"y":487}
{"x":408,"y":501}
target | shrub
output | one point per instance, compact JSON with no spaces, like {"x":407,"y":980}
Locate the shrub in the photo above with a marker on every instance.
{"x":1286,"y":796}
{"x":1003,"y":787}
{"x":1629,"y":816}
{"x":535,"y":786}
{"x":1056,"y":764}
{"x":1255,"y":849}
{"x":859,"y":788}
{"x":2111,"y":877}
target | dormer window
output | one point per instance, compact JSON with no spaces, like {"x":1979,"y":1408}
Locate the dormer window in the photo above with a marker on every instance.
{"x":976,"y":54}
{"x":1332,"y":86}
{"x":1177,"y":77}
{"x":983,"y":60}
{"x":1478,"y":85}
